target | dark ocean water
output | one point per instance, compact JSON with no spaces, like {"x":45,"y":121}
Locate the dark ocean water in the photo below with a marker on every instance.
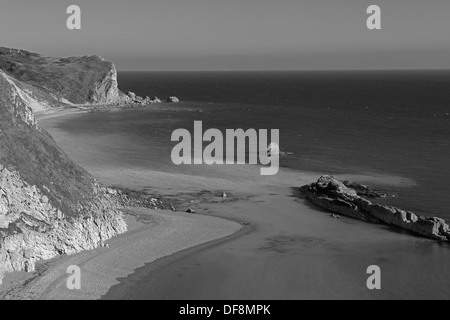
{"x":393,"y":125}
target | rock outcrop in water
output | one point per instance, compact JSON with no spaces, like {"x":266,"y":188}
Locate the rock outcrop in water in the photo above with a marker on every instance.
{"x":48,"y":204}
{"x":335,"y":196}
{"x":173,"y":99}
{"x":140,"y":100}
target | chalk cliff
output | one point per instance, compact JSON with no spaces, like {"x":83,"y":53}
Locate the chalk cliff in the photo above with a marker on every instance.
{"x":56,"y":82}
{"x":48,"y":204}
{"x":335,"y":196}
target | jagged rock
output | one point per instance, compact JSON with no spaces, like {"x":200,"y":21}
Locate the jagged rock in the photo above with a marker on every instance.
{"x":173,"y":99}
{"x":364,"y":190}
{"x":335,"y":196}
{"x":17,"y":101}
{"x":42,"y":234}
{"x":105,"y":89}
{"x":131,"y":95}
{"x":111,"y":191}
{"x":146,"y":100}
{"x":155,"y":100}
{"x":189,"y":210}
{"x":44,"y":199}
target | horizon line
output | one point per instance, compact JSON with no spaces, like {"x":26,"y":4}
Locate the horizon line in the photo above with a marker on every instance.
{"x":293,"y":70}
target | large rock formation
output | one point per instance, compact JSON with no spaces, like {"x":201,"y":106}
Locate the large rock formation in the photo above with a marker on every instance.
{"x":55,"y":82}
{"x":335,"y":196}
{"x":48,"y":204}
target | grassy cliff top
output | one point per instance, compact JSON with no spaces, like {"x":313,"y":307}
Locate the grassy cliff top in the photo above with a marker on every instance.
{"x":74,"y":79}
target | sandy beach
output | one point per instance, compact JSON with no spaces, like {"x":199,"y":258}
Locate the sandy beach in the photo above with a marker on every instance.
{"x":151,"y":235}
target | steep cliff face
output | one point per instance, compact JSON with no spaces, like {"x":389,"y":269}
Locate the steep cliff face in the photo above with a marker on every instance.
{"x":16,"y":100}
{"x":48,"y":204}
{"x":335,"y":196}
{"x":32,"y":228}
{"x":105,"y":89}
{"x":54,"y":82}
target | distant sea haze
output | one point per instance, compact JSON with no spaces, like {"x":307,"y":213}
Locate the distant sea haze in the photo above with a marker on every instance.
{"x":390,"y":129}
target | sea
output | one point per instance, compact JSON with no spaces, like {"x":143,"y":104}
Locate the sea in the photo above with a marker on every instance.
{"x":388,"y":129}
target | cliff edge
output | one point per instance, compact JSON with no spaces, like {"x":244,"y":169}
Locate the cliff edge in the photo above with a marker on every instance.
{"x":48,"y":204}
{"x":55,"y":82}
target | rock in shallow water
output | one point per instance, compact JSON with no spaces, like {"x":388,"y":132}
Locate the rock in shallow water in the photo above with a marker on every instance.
{"x":155,"y":100}
{"x":335,"y":196}
{"x":173,"y":99}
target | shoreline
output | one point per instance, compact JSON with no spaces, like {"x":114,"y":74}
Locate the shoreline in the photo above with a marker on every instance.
{"x":125,"y":285}
{"x":152,"y":235}
{"x":81,"y":108}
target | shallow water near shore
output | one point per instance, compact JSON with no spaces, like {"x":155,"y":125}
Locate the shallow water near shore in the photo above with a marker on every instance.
{"x":293,"y":249}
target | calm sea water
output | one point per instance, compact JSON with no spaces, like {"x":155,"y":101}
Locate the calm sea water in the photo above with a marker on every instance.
{"x":381,"y":123}
{"x":391,"y":126}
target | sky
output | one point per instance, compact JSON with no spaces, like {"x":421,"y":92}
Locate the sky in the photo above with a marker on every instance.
{"x":184,"y":35}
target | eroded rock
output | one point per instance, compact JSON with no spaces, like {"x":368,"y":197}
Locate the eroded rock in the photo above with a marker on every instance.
{"x":173,"y":99}
{"x":337,"y":197}
{"x":32,"y":229}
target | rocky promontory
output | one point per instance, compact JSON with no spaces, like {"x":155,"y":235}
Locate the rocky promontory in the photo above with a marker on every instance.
{"x":337,"y":197}
{"x":55,"y":82}
{"x":49,"y":205}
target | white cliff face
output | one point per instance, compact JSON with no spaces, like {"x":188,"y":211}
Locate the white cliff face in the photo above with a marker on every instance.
{"x":106,"y":90}
{"x":20,"y":103}
{"x":32,"y":229}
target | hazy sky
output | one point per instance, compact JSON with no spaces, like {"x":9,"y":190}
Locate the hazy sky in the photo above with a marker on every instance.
{"x":235,"y":34}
